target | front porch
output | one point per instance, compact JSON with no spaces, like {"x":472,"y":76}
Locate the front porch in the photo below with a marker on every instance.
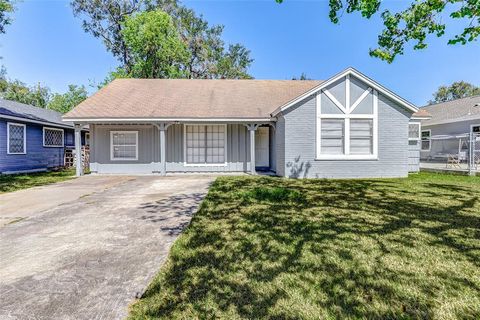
{"x":180,"y":146}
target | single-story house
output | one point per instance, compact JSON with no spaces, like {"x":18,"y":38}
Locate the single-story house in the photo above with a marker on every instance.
{"x":448,"y":129}
{"x":33,"y":139}
{"x":347,"y":126}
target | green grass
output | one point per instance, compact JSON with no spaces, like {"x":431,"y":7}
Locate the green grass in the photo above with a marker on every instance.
{"x":263,"y":247}
{"x":14,"y":182}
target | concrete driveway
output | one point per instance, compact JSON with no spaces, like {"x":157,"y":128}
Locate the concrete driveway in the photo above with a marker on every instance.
{"x":84,"y":249}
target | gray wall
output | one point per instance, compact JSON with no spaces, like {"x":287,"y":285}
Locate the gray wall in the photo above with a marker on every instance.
{"x":446,"y":146}
{"x":280,"y":146}
{"x":300,"y":145}
{"x":238,"y":150}
{"x":414,"y":155}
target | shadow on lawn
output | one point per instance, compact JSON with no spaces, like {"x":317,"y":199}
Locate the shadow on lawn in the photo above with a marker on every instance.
{"x":319,"y":248}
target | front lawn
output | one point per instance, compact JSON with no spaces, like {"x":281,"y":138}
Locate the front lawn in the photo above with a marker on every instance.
{"x":263,"y":247}
{"x":14,"y":182}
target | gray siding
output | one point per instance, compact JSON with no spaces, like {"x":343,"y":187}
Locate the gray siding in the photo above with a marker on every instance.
{"x":300,"y":145}
{"x":280,"y":146}
{"x":413,"y":155}
{"x":238,"y":150}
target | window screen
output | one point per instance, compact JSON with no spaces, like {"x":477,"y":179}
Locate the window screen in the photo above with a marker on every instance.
{"x":426,"y":140}
{"x":16,"y":138}
{"x":124,"y":145}
{"x":52,"y":137}
{"x":205,"y":144}
{"x":333,"y":131}
{"x":361,"y":136}
{"x":414,"y":131}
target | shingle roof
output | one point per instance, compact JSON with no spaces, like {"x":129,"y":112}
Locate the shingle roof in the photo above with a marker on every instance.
{"x":28,"y":112}
{"x":422,"y":113}
{"x":192,"y":98}
{"x":452,"y":111}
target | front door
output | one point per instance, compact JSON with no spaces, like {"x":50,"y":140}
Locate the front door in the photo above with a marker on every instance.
{"x":262,"y":155}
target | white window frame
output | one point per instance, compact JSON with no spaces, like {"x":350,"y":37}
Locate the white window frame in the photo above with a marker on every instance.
{"x":24,"y":137}
{"x":347,"y":116}
{"x":112,"y":158}
{"x":429,"y":140}
{"x":419,"y":131}
{"x":186,"y":164}
{"x":474,"y":125}
{"x":54,"y":129}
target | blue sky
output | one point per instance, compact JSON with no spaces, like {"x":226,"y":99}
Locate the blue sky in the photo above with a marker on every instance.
{"x":47,"y":44}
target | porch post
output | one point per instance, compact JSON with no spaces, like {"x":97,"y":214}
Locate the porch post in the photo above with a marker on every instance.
{"x":78,"y":150}
{"x":252,"y":128}
{"x":163,"y":170}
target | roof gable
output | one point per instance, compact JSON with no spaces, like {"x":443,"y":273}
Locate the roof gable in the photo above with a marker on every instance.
{"x":349,"y":71}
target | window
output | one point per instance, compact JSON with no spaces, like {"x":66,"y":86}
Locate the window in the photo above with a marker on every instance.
{"x":205,"y":144}
{"x":414,"y":131}
{"x":476,"y":129}
{"x":361,"y":136}
{"x":347,"y":127}
{"x":52,"y":137}
{"x":124,"y":145}
{"x":16,"y":138}
{"x":426,"y":141}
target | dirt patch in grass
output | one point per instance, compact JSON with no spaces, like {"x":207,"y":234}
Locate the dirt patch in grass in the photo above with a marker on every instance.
{"x":263,"y":247}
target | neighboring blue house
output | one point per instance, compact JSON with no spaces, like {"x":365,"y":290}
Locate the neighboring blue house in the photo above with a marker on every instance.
{"x":33,"y":139}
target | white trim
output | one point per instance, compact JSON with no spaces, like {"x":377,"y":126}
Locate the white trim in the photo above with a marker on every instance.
{"x":375,"y":123}
{"x":429,"y":140}
{"x":319,"y":124}
{"x":347,"y":157}
{"x":419,"y":131}
{"x":360,"y":99}
{"x":225,"y":151}
{"x":3,"y":116}
{"x":24,"y":137}
{"x":335,"y":101}
{"x":349,"y":71}
{"x":179,"y":120}
{"x":347,"y":117}
{"x":112,"y":158}
{"x":347,"y":93}
{"x":54,"y":129}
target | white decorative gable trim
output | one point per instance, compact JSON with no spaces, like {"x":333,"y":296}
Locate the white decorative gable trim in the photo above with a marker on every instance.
{"x":349,"y":71}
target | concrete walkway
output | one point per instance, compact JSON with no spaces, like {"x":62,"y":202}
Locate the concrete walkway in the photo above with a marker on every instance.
{"x":88,"y":258}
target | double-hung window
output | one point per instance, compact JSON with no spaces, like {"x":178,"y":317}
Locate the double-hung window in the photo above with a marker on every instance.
{"x":347,"y":129}
{"x":426,"y":140}
{"x":414,"y":131}
{"x":124,"y":145}
{"x":205,"y":144}
{"x":52,"y":137}
{"x":16,"y":138}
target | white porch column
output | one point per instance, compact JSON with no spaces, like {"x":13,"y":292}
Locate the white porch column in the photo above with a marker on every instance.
{"x":252,"y":128}
{"x":78,"y":150}
{"x":162,"y":128}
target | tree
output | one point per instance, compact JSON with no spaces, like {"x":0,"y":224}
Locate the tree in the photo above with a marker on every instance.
{"x":155,"y":46}
{"x":105,"y":19}
{"x":6,"y":7}
{"x":70,"y":99}
{"x":16,"y":90}
{"x":456,"y":90}
{"x":209,"y":56}
{"x":413,"y":24}
{"x":303,"y":76}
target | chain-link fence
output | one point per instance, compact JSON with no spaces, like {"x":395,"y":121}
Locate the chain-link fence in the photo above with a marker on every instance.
{"x":459,"y":152}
